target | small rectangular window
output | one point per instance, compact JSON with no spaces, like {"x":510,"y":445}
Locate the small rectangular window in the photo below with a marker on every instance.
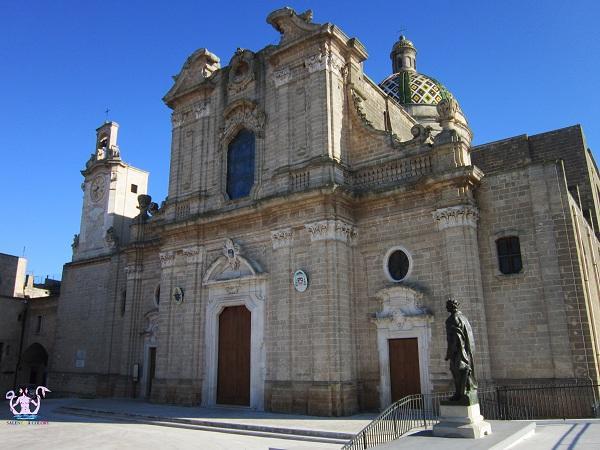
{"x":509,"y":255}
{"x":134,"y":188}
{"x":38,"y":327}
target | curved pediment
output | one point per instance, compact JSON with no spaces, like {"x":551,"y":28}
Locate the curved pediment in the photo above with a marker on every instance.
{"x":230,"y":266}
{"x":292,"y":25}
{"x":196,"y":70}
{"x":403,"y":299}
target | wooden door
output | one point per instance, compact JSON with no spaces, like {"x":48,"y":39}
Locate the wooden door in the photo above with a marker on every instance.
{"x":405,"y":376}
{"x":233,"y":380}
{"x":151,"y":369}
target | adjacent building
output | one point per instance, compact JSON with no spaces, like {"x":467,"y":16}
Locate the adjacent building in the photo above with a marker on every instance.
{"x":27,"y":324}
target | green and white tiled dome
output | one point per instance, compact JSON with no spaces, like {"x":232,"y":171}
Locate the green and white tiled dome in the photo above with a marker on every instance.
{"x":417,"y":93}
{"x":411,"y":87}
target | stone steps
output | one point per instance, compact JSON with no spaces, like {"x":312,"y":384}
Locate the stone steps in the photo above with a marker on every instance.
{"x":299,"y":434}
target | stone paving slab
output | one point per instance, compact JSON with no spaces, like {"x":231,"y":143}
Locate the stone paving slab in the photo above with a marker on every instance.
{"x":570,"y":434}
{"x":504,"y":435}
{"x":64,"y":432}
{"x":233,"y":415}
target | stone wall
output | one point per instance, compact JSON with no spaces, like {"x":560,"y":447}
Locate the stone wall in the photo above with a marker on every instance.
{"x":567,"y":144}
{"x":10,"y":338}
{"x":87,"y":345}
{"x":541,"y":307}
{"x":12,"y":275}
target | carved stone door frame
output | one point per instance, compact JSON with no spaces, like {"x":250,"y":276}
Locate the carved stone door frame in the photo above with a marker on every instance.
{"x":402,"y":316}
{"x":233,"y":281}
{"x":150,"y":341}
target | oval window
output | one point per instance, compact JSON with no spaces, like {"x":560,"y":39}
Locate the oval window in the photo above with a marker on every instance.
{"x":398,"y":265}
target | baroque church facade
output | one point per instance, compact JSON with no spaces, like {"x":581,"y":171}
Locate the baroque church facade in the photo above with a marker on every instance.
{"x":315,"y":225}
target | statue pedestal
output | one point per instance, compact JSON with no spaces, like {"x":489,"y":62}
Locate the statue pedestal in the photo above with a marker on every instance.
{"x":461,"y":421}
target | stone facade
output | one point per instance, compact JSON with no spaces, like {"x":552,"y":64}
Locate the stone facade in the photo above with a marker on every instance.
{"x":343,"y":176}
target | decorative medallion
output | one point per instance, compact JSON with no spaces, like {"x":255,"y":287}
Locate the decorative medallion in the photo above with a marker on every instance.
{"x":177,"y":295}
{"x":241,"y":70}
{"x":300,"y":280}
{"x":97,"y":188}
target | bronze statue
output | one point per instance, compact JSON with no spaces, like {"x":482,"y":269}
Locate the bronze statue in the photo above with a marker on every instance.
{"x":460,"y":354}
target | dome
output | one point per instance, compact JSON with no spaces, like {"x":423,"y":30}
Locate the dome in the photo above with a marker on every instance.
{"x":409,"y":86}
{"x":417,"y":93}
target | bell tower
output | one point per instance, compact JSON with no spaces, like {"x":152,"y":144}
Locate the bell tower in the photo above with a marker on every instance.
{"x":110,"y":191}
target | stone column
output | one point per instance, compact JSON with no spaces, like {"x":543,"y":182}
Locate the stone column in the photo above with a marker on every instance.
{"x":189,"y":315}
{"x":163,"y":355}
{"x":458,"y":226}
{"x":280,"y":330}
{"x":333,"y":390}
{"x":131,"y":331}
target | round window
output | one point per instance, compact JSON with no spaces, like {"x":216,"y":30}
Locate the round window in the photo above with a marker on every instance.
{"x":398,"y":265}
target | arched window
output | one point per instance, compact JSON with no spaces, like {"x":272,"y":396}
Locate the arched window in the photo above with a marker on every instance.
{"x":240,"y":165}
{"x":509,"y":255}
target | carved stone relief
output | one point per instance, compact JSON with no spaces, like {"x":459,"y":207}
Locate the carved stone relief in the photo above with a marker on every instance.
{"x":282,"y":76}
{"x":456,"y":216}
{"x":111,"y":238}
{"x":192,"y":254}
{"x":150,"y":332}
{"x":241,"y":71}
{"x":196,"y":111}
{"x":133,"y":270}
{"x":232,"y":253}
{"x":325,"y":60}
{"x":242,"y":113}
{"x":282,"y":238}
{"x":167,"y":259}
{"x":337,"y":230}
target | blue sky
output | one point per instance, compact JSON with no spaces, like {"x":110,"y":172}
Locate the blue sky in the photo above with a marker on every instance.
{"x":515,"y":66}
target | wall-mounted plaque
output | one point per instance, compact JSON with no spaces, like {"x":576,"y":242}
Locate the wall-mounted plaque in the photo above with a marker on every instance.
{"x":177,"y":295}
{"x":300,"y":280}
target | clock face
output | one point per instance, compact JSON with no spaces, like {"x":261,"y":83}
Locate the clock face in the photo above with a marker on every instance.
{"x":97,"y":189}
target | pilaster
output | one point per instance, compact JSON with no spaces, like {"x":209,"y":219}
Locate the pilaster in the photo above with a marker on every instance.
{"x":333,"y":389}
{"x":458,"y":226}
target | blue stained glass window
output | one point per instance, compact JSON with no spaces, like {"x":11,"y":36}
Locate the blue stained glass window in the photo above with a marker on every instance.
{"x":240,"y":165}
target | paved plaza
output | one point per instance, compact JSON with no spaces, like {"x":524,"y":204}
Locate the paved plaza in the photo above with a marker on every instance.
{"x":66,"y":431}
{"x":102,"y":424}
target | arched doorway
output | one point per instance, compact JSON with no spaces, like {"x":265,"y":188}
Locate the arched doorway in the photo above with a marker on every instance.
{"x":34,"y":368}
{"x":150,"y":347}
{"x":237,"y":290}
{"x":233,"y":379}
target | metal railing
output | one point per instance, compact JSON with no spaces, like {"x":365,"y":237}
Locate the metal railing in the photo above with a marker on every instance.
{"x":499,"y":403}
{"x":573,"y":401}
